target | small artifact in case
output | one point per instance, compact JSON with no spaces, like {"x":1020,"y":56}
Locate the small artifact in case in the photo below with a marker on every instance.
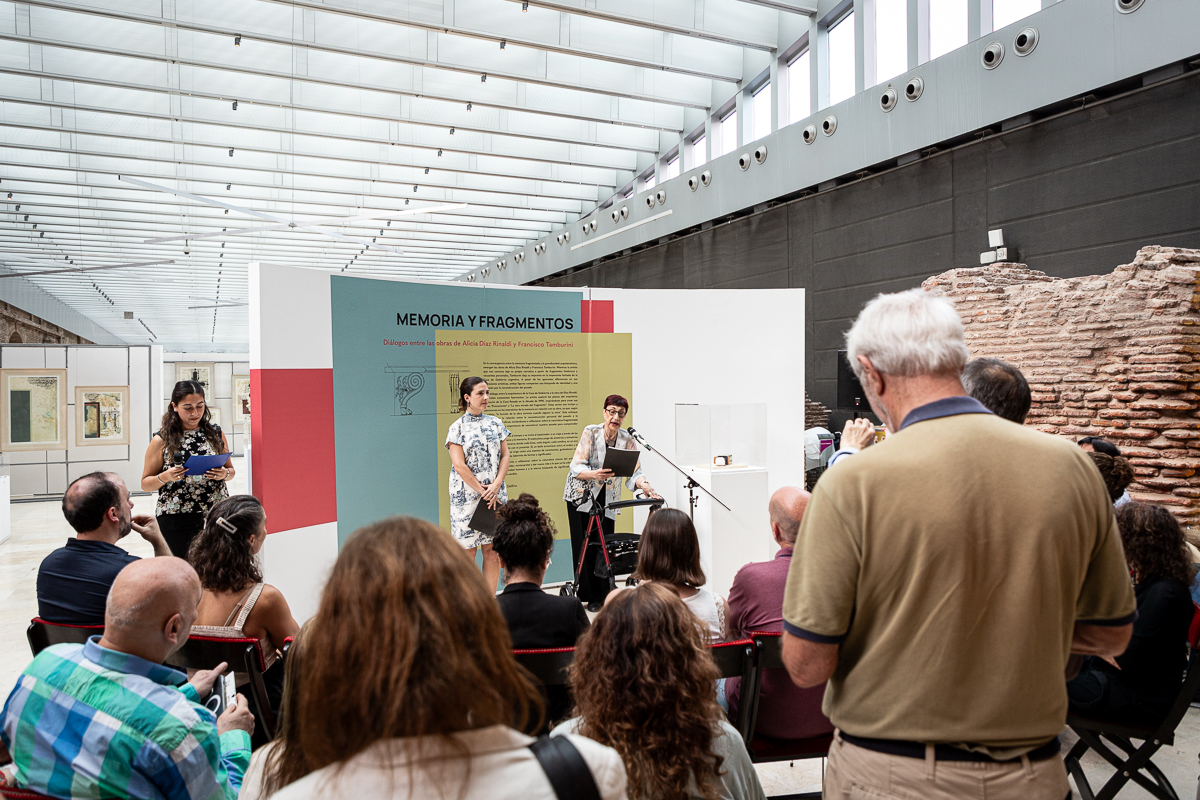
{"x":722,"y":461}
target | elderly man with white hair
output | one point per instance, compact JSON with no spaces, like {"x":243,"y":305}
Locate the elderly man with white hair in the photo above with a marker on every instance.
{"x":940,"y":582}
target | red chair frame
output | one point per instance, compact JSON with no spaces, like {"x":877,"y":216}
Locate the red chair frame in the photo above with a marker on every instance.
{"x":42,"y":634}
{"x":243,"y":655}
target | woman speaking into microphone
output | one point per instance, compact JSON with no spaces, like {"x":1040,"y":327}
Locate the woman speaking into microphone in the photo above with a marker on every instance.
{"x":587,"y":483}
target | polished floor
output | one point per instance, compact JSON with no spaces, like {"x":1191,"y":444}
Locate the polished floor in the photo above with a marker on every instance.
{"x":38,"y":528}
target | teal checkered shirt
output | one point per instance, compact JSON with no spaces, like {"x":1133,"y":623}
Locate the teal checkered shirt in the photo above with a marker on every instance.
{"x":88,"y":722}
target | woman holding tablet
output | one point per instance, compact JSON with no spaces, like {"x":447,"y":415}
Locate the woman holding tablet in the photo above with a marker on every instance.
{"x":587,"y":483}
{"x":184,"y":501}
{"x":479,"y":453}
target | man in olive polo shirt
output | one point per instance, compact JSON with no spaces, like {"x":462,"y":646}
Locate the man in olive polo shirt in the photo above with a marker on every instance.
{"x":941,"y":579}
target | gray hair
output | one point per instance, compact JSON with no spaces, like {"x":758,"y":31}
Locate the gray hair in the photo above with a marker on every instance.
{"x":908,"y":333}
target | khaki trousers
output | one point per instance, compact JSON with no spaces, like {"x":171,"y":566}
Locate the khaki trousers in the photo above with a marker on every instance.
{"x":855,"y":773}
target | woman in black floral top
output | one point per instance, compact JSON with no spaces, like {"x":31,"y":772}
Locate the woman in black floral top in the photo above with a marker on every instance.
{"x":184,"y":501}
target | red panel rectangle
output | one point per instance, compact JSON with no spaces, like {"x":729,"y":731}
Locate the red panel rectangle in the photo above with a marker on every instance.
{"x":292,"y":446}
{"x":596,"y":316}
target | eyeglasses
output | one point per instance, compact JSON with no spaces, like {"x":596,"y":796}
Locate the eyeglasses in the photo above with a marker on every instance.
{"x":619,"y":413}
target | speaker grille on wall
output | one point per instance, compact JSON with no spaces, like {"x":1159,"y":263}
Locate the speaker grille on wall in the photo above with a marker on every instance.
{"x":850,"y":395}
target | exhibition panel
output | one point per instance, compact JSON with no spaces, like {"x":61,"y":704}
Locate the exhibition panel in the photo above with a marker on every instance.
{"x":352,"y":428}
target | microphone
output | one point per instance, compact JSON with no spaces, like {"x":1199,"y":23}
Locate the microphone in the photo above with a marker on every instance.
{"x":631,"y":431}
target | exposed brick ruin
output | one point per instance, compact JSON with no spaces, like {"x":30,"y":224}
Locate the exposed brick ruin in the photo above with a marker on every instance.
{"x":1110,"y":355}
{"x":815,"y":414}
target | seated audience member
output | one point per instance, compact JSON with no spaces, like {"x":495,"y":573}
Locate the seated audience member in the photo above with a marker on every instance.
{"x":236,"y":603}
{"x":669,"y":553}
{"x":1116,"y":472}
{"x":998,"y":385}
{"x":410,"y":686}
{"x":1094,"y":444}
{"x":1139,"y":685}
{"x":108,"y":720}
{"x":282,"y":755}
{"x":73,"y":581}
{"x":643,"y":682}
{"x":523,"y":541}
{"x":756,"y":604}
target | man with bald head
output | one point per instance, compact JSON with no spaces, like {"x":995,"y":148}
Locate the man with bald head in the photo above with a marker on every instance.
{"x":756,"y":604}
{"x":73,"y":581}
{"x":106,"y":719}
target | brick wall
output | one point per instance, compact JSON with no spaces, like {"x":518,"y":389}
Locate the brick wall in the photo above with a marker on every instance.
{"x":815,"y":414}
{"x":1112,"y":355}
{"x":21,"y":327}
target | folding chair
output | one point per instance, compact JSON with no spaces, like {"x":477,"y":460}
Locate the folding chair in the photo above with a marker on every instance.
{"x":549,"y":667}
{"x":739,"y":659}
{"x":41,"y":634}
{"x":243,"y":655}
{"x":765,"y":749}
{"x":1134,"y":764}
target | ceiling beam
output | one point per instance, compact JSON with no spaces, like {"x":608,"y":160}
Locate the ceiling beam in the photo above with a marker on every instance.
{"x":527,"y":77}
{"x":481,"y":94}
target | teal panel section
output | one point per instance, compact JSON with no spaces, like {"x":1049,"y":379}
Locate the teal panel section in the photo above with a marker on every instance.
{"x":384,"y":395}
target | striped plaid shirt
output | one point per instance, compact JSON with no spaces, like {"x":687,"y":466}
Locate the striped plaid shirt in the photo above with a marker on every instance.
{"x":88,"y":722}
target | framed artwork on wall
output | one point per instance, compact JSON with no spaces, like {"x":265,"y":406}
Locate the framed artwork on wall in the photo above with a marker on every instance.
{"x":201,"y":372}
{"x":101,"y":415}
{"x":241,"y":398}
{"x":214,"y":415}
{"x":33,"y":409}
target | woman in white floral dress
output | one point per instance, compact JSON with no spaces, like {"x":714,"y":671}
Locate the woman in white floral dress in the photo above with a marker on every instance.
{"x":479,"y":453}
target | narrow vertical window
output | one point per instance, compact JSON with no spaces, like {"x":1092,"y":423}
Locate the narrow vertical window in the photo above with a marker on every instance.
{"x":841,"y":60}
{"x":891,"y":39}
{"x":799,"y":88}
{"x":947,"y":26}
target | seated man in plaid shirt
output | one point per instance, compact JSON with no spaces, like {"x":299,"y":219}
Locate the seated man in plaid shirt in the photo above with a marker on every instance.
{"x":108,"y":720}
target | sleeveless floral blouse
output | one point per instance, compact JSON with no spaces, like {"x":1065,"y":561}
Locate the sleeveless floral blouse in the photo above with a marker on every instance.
{"x":193,"y":494}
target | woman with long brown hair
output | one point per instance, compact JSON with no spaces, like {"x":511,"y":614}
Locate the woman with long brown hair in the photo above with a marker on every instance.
{"x":669,"y":553}
{"x":184,"y":500}
{"x":643,"y":682}
{"x":1139,"y":685}
{"x":409,"y":685}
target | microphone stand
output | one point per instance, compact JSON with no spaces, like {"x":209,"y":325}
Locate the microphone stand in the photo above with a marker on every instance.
{"x":691,"y":484}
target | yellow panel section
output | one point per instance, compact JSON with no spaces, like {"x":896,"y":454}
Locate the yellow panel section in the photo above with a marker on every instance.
{"x":545,"y":388}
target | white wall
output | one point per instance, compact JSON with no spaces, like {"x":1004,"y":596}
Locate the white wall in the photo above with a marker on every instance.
{"x":715,"y":346}
{"x":49,"y":472}
{"x":225,"y":366}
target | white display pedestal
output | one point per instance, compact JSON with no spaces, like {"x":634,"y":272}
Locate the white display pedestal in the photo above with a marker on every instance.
{"x":729,"y":539}
{"x":5,"y":499}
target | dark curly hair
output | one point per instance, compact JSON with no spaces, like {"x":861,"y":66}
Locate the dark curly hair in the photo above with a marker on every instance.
{"x":221,"y":552}
{"x":525,"y":535}
{"x":1154,"y":543}
{"x":643,"y":680}
{"x":1116,"y":472}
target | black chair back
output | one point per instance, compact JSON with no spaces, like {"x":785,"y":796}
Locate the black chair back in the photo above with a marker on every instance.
{"x":242,"y":655}
{"x":41,"y":634}
{"x":549,"y":666}
{"x":762,"y":749}
{"x":739,"y":659}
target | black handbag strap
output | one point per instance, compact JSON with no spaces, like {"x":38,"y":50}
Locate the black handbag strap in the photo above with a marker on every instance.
{"x":564,"y":766}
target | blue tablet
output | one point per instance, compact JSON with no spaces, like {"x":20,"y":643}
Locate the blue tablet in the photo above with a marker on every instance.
{"x":198,"y":465}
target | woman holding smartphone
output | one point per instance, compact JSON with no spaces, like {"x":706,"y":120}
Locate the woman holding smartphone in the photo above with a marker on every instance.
{"x":184,"y":500}
{"x":479,"y":452}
